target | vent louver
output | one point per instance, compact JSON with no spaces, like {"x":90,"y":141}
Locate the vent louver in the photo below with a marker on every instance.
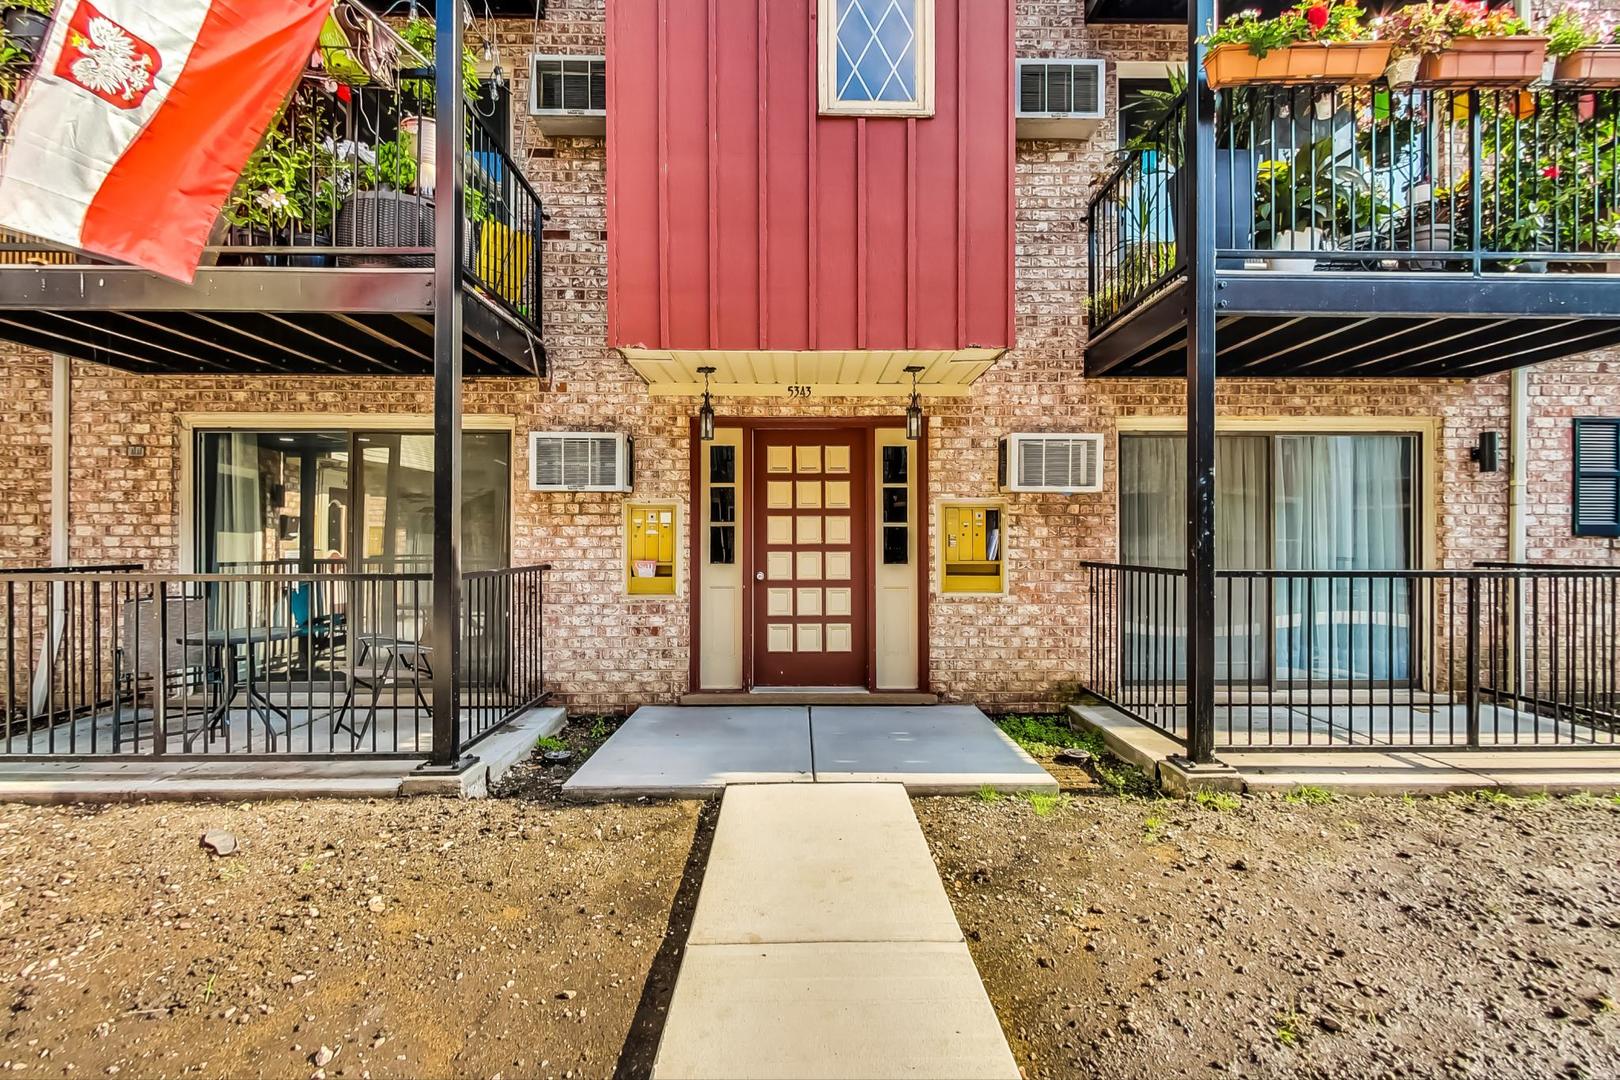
{"x":579,"y":461}
{"x":1067,"y":464}
{"x":1597,"y":477}
{"x":1060,"y":99}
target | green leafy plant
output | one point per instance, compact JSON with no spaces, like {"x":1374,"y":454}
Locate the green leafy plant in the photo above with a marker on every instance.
{"x":287,"y":182}
{"x":422,"y":34}
{"x":43,"y":7}
{"x":13,"y":66}
{"x":1426,"y":28}
{"x":1571,"y":29}
{"x":989,"y":794}
{"x":549,"y":742}
{"x":1045,"y":803}
{"x":1309,"y":795}
{"x":1219,"y":801}
{"x":1039,"y":734}
{"x":1310,"y":21}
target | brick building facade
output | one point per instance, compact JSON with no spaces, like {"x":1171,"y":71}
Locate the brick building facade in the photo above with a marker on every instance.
{"x":609,"y":651}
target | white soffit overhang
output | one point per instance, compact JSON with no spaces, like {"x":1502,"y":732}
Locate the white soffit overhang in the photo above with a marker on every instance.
{"x":856,"y":373}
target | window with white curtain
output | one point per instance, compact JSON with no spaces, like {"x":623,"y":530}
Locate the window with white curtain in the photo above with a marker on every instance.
{"x":1285,"y":502}
{"x":877,"y":57}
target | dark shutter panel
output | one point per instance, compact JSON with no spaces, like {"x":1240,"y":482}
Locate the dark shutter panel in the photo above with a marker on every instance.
{"x":1597,"y":478}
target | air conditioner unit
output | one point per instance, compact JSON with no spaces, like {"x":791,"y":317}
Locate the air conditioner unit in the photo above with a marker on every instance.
{"x":1060,"y":99}
{"x":581,"y":461}
{"x":568,"y":94}
{"x":1066,"y":464}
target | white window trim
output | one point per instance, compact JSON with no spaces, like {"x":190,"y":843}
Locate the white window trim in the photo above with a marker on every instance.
{"x":1138,"y":69}
{"x":827,"y":33}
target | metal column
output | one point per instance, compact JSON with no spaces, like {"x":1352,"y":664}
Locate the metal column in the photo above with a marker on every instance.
{"x":449,"y":158}
{"x":1200,"y":166}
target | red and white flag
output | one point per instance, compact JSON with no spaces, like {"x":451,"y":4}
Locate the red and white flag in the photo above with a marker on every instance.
{"x":141,"y":116}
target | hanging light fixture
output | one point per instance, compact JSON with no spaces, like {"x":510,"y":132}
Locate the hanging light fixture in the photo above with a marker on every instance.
{"x":706,"y":412}
{"x":914,"y":413}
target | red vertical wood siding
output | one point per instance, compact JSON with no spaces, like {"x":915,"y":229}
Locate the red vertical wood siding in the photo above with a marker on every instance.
{"x":738,"y":218}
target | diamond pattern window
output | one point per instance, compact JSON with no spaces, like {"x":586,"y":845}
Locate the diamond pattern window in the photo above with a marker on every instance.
{"x":877,"y":57}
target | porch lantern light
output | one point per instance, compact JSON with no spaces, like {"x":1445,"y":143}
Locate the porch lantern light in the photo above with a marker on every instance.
{"x":706,"y":412}
{"x":914,"y":413}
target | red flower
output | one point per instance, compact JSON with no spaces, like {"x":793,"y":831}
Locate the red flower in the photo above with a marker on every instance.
{"x":1550,"y":172}
{"x":1317,"y":16}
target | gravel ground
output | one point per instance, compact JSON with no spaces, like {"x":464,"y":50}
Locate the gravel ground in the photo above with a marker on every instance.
{"x":515,"y":937}
{"x":1353,"y":937}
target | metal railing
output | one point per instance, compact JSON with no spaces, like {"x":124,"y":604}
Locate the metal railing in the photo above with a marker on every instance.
{"x":346,"y":179}
{"x":321,"y":664}
{"x":1499,"y":657}
{"x":1371,"y":179}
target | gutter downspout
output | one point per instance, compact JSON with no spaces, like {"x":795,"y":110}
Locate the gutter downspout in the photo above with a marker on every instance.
{"x":61,"y":404}
{"x":1518,"y":539}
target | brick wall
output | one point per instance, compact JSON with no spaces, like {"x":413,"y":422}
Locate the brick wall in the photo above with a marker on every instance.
{"x":608,"y":652}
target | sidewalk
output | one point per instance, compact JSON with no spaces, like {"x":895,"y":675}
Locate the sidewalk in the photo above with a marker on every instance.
{"x":823,"y":945}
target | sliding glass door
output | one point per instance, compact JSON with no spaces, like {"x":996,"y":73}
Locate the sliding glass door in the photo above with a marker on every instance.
{"x":1282,"y":502}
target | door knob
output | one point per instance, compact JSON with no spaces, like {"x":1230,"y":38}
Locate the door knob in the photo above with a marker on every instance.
{"x":759,"y":575}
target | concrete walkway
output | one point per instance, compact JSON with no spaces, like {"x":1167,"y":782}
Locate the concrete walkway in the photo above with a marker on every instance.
{"x":823,"y":945}
{"x":696,"y":752}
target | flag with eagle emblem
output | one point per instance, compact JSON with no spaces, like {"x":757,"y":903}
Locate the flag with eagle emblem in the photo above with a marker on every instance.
{"x":140,"y":118}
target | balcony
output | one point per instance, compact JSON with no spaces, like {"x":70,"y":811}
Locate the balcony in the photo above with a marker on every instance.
{"x":1368,"y":232}
{"x":322,"y":261}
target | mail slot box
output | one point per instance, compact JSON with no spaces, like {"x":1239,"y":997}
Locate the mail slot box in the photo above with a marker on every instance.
{"x":649,"y":549}
{"x":971,"y":555}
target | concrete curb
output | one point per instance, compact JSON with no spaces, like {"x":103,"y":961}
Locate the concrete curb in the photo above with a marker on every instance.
{"x":1155,"y":753}
{"x":495,"y":757}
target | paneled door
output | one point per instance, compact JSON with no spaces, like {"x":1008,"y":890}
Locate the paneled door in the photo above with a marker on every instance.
{"x":812,"y":554}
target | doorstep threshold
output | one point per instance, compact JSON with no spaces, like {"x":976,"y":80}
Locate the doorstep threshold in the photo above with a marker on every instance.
{"x":833,"y":695}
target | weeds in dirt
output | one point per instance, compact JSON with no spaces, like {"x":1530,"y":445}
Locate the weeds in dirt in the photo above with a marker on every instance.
{"x":1045,"y":803}
{"x":1288,"y":1028}
{"x":1585,"y":800}
{"x":1219,"y":801}
{"x":599,"y":730}
{"x":1153,"y":829}
{"x":1123,"y":779}
{"x":549,"y":742}
{"x":208,"y":990}
{"x":1309,"y":795}
{"x":1044,"y":734}
{"x":1507,"y":799}
{"x":989,"y":794}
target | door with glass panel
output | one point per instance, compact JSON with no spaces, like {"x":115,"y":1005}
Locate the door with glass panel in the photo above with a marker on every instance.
{"x":811,"y":594}
{"x":1297,"y":503}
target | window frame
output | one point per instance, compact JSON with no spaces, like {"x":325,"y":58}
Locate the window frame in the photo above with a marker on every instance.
{"x":1137,"y":71}
{"x":827,"y":63}
{"x":1579,"y":476}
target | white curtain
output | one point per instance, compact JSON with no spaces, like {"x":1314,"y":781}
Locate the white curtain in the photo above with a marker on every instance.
{"x":1344,"y":502}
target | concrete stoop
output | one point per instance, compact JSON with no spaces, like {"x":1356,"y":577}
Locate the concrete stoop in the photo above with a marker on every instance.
{"x":823,"y":945}
{"x":491,"y":759}
{"x":1389,"y":770}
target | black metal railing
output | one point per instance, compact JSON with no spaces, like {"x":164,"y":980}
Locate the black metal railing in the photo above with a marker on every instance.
{"x":1372,"y":179}
{"x":1499,"y":657}
{"x":325,"y":663}
{"x":346,"y":178}
{"x":1132,"y":220}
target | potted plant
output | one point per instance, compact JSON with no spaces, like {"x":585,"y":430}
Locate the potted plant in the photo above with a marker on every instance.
{"x":287,"y":194}
{"x":1606,"y":238}
{"x":1463,"y":44}
{"x":1584,"y":54}
{"x":420,"y":128}
{"x":27,"y":22}
{"x":1314,"y":41}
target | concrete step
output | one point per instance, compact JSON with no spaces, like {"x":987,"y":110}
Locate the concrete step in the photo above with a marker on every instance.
{"x":809,"y":697}
{"x":823,"y":945}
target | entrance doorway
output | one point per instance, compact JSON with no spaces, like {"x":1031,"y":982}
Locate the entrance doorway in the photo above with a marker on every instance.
{"x":812,"y":578}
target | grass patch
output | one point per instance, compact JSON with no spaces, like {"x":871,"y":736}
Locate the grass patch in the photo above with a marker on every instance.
{"x":1153,"y":829}
{"x":989,"y":794}
{"x":1309,"y":795}
{"x":1219,"y":801}
{"x":1288,"y":1028}
{"x":1493,"y":797}
{"x":1585,"y":800}
{"x":1043,"y":734}
{"x":549,"y":742}
{"x":1045,"y":803}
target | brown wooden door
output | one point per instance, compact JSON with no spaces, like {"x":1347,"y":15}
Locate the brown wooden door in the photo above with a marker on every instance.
{"x":812,"y":551}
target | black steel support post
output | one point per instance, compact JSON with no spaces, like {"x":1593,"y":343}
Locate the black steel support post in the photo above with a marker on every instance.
{"x":449,"y":158}
{"x":1200,"y":213}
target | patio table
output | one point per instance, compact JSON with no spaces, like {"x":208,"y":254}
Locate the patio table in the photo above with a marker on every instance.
{"x":222,"y":646}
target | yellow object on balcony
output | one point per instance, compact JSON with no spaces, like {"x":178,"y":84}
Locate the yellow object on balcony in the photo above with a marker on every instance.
{"x":503,"y":261}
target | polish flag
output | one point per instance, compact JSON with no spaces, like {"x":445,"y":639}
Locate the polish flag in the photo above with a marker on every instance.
{"x":140,"y":118}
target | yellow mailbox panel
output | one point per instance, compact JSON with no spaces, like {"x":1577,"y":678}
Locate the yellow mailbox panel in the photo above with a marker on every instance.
{"x":649,"y":549}
{"x":971,"y":548}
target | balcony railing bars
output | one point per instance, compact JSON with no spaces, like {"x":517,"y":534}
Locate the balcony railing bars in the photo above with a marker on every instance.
{"x":1370,"y":179}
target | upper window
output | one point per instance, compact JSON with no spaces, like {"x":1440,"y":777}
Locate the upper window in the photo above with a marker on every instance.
{"x":1597,"y":477}
{"x":877,"y":57}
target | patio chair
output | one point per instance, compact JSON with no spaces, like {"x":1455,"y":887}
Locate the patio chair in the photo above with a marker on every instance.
{"x":380,"y":660}
{"x":141,"y":653}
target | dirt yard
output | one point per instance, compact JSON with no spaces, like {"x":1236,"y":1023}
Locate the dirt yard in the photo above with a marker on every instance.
{"x":513,"y":937}
{"x":1353,"y":937}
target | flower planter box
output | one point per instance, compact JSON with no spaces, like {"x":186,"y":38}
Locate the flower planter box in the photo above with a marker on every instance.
{"x":1596,"y":67}
{"x":1485,"y":62}
{"x":1349,"y":64}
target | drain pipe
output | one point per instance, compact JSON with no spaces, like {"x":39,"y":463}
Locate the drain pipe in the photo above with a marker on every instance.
{"x":61,"y":403}
{"x":1518,"y":539}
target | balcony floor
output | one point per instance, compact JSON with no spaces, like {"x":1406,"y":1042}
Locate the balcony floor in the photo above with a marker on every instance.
{"x":255,"y":320}
{"x":1368,"y":325}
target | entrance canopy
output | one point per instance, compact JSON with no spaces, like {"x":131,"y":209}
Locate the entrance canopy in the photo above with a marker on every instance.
{"x":856,"y":373}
